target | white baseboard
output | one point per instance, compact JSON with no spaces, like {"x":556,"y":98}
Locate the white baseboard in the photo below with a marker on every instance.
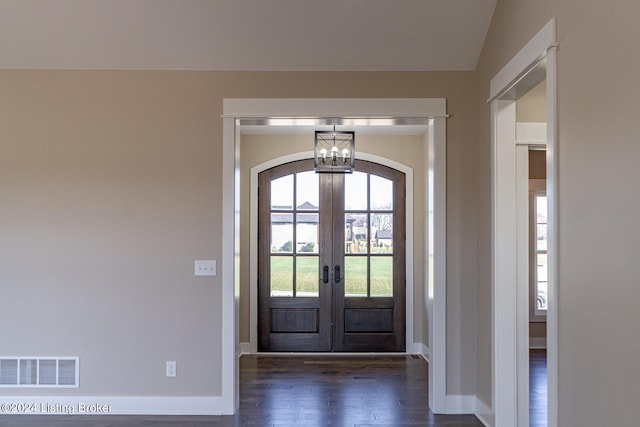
{"x":483,"y":413}
{"x":114,"y":405}
{"x":246,"y":348}
{"x":460,"y":404}
{"x":414,"y":348}
{"x":424,"y":351}
{"x":538,"y":343}
{"x":470,"y":404}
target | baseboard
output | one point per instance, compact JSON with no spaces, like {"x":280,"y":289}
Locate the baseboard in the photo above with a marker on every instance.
{"x":424,"y":351}
{"x":470,"y":404}
{"x":114,"y":405}
{"x":414,"y":348}
{"x":460,"y":404}
{"x":246,"y":348}
{"x":483,"y":413}
{"x":538,"y":343}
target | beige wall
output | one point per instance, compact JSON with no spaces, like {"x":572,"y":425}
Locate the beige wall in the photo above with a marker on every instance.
{"x":407,"y":150}
{"x":537,"y":329}
{"x":598,"y":92}
{"x":110,"y":185}
{"x":532,"y":107}
{"x":107,"y":182}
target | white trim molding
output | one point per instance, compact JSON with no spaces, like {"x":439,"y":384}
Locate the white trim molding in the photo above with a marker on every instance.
{"x":436,"y":264}
{"x":484,"y":413}
{"x":246,"y":348}
{"x":504,"y":245}
{"x":229,"y":276}
{"x":461,"y":404}
{"x":470,"y":404}
{"x":335,"y":108}
{"x":552,"y":243}
{"x":510,"y":342}
{"x":425,"y":353}
{"x":534,"y":51}
{"x":433,"y":109}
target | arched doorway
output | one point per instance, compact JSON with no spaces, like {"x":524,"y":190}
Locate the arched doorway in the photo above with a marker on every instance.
{"x":331,"y":259}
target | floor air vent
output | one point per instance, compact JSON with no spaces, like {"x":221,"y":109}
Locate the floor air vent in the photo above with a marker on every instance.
{"x":61,"y":372}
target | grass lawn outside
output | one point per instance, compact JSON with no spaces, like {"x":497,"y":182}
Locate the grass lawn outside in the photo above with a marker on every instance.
{"x":308,"y":275}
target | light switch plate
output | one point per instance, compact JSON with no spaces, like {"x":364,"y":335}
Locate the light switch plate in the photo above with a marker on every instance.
{"x":205,"y":267}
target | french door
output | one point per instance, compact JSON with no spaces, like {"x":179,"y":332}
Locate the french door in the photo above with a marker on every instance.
{"x":331,"y":259}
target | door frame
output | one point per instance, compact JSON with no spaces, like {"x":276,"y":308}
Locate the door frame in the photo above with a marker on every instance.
{"x":253,"y":241}
{"x":433,"y":109}
{"x":510,"y":304}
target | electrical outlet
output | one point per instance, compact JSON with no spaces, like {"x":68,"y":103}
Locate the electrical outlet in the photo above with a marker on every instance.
{"x":205,"y":268}
{"x":171,"y":368}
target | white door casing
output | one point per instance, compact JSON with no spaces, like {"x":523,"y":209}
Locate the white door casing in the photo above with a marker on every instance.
{"x":432,"y":109}
{"x":510,"y":308}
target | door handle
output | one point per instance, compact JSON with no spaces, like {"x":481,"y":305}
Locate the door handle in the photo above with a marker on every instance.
{"x":325,"y":274}
{"x":336,"y":273}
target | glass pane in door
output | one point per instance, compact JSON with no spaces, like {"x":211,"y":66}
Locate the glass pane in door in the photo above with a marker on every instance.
{"x":355,"y":276}
{"x":382,"y":232}
{"x":307,"y":276}
{"x":282,"y":193}
{"x":381,"y":193}
{"x":307,"y":191}
{"x":381,"y":276}
{"x":281,"y":276}
{"x":307,"y":233}
{"x":281,"y":233}
{"x":355,"y":191}
{"x":356,"y":233}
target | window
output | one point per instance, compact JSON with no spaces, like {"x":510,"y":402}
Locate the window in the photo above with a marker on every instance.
{"x":538,"y":248}
{"x":541,"y":253}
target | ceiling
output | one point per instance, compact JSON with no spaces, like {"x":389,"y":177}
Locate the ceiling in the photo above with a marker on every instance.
{"x":326,"y":35}
{"x":292,"y":35}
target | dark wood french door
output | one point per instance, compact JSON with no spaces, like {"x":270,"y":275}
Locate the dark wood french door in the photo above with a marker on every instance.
{"x":331,"y":259}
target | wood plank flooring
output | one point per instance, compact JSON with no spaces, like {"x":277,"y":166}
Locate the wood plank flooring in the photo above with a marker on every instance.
{"x":538,"y":388}
{"x":287,"y":391}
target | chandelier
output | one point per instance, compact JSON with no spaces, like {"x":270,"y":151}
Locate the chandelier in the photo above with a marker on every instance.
{"x":334,"y":151}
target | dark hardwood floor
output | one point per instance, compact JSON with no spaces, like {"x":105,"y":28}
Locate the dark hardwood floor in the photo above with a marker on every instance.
{"x":303,"y":391}
{"x":537,"y":388}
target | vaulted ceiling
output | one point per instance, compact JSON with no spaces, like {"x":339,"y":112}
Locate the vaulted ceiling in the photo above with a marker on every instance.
{"x":367,"y":35}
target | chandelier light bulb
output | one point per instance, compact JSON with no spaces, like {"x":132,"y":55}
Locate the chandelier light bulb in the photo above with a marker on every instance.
{"x":334,"y":153}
